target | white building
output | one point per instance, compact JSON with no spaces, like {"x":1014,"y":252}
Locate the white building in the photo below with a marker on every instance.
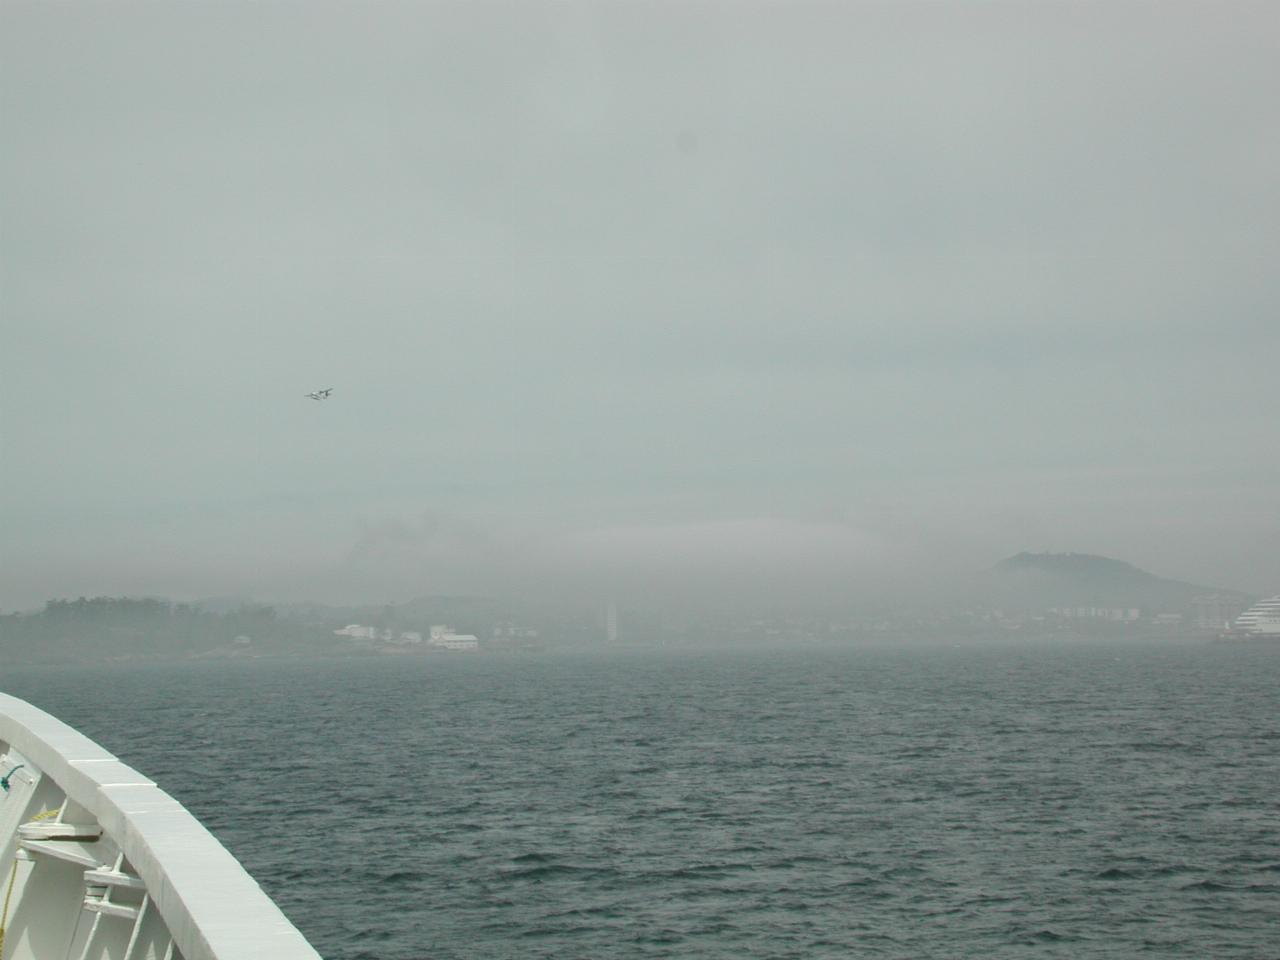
{"x":443,"y":638}
{"x":1126,"y":614}
{"x":457,"y":641}
{"x":355,"y":630}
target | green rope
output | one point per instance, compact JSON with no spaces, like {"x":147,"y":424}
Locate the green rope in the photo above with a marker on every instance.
{"x":4,"y":781}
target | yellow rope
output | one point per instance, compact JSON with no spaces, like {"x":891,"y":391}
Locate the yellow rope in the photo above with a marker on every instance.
{"x":4,"y":918}
{"x":13,"y":875}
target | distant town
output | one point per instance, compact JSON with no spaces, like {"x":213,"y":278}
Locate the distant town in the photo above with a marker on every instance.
{"x":1032,"y":596}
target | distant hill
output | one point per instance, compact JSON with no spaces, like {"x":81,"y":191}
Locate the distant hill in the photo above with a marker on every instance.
{"x":221,"y":605}
{"x":1043,"y":580}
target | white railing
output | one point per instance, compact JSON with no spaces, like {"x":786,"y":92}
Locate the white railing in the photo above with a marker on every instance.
{"x":212,"y":908}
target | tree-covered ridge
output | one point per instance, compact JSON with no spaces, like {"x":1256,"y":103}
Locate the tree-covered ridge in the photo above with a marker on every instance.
{"x":99,"y":628}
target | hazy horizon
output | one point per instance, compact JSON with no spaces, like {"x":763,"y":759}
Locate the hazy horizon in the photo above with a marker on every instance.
{"x":699,"y":300}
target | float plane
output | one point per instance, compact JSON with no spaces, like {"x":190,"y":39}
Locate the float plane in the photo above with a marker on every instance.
{"x":320,"y":394}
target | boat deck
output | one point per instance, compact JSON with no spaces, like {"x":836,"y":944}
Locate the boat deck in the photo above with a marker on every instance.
{"x":97,"y":862}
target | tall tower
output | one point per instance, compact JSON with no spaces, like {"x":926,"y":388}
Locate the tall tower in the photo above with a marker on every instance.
{"x":611,"y":623}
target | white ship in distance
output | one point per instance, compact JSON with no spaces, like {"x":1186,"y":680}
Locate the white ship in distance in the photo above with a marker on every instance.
{"x":1262,"y":619}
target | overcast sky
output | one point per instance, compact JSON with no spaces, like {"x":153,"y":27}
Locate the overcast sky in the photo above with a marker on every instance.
{"x":631,"y":297}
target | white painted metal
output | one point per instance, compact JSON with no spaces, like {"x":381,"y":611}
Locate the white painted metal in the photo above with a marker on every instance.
{"x":152,"y":863}
{"x":58,"y":830}
{"x":112,"y":878}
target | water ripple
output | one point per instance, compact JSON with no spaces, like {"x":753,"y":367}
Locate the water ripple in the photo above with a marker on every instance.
{"x":998,"y":802}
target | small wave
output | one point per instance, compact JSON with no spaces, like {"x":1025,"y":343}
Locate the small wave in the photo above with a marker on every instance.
{"x":704,"y":870}
{"x":1046,"y":935}
{"x":859,"y":883}
{"x":603,"y":912}
{"x":1170,"y":869}
{"x":532,"y":858}
{"x":799,"y":859}
{"x":1116,"y":873}
{"x":1207,"y":886}
{"x":402,"y":876}
{"x":461,"y":859}
{"x":548,"y":870}
{"x":905,"y":870}
{"x":660,"y":937}
{"x":1159,"y":746}
{"x":540,"y":933}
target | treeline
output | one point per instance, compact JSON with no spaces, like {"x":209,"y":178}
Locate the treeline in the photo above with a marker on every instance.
{"x":101,"y":628}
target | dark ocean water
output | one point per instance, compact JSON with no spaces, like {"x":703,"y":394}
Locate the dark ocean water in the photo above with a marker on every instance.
{"x":1005,"y":801}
